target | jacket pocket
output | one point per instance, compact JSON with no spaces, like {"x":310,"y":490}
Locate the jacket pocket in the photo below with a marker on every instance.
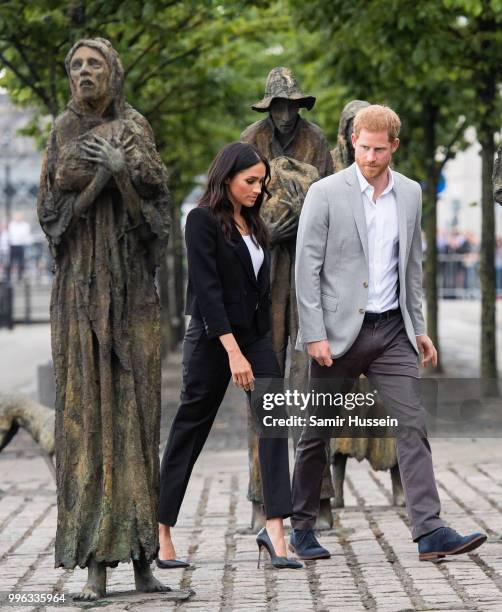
{"x":328,"y":302}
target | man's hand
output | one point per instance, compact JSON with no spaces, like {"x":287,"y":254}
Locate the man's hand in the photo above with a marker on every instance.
{"x":321,"y":352}
{"x":428,"y":350}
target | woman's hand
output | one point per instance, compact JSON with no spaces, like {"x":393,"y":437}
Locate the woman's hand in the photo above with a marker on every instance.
{"x":242,"y":374}
{"x":100,"y":151}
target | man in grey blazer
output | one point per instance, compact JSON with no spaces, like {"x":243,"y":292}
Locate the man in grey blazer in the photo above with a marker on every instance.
{"x":359,"y":293}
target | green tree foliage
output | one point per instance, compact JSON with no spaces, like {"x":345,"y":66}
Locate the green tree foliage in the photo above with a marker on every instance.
{"x":438,"y":64}
{"x":192,"y":68}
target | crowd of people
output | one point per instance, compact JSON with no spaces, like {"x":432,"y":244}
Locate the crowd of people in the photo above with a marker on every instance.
{"x":458,"y":263}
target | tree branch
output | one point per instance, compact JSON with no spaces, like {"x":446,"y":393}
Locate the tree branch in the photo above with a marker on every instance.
{"x":27,"y":83}
{"x":140,"y":56}
{"x":166,"y":62}
{"x":449,"y":147}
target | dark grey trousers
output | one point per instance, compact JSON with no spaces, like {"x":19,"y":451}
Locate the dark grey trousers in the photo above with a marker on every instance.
{"x":383,"y":353}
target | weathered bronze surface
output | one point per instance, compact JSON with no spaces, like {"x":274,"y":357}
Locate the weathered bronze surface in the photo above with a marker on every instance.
{"x":103,"y":205}
{"x":343,"y":153}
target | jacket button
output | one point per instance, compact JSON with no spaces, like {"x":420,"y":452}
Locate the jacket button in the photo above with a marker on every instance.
{"x":361,"y":310}
{"x":365,"y":284}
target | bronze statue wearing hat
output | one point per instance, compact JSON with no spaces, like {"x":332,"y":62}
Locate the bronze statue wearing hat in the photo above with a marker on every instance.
{"x":284,"y":133}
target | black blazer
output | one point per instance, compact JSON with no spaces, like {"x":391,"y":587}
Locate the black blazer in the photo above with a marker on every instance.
{"x":222,"y":288}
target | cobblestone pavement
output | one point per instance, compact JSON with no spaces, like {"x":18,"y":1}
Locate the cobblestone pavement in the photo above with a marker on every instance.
{"x":374,"y":563}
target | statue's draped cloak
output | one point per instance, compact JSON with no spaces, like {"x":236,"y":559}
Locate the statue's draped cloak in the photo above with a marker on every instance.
{"x":105,"y":342}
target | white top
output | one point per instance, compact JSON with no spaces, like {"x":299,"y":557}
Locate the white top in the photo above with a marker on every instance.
{"x":19,"y":233}
{"x":383,"y":245}
{"x":256,"y":253}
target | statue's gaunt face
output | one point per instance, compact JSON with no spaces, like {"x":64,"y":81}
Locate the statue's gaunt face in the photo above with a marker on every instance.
{"x":89,"y":74}
{"x":284,"y":114}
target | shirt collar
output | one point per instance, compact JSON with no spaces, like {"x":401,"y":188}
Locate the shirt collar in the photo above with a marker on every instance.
{"x":364,"y":185}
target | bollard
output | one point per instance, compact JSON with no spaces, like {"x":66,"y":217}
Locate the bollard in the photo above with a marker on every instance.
{"x":6,"y":305}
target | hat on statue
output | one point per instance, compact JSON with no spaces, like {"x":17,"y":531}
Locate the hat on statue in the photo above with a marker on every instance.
{"x":281,"y":83}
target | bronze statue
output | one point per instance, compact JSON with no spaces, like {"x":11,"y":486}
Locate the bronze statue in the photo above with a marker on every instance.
{"x":497,"y":177}
{"x":103,"y":205}
{"x":343,"y":153}
{"x":380,"y":452}
{"x":284,"y":133}
{"x":20,"y":412}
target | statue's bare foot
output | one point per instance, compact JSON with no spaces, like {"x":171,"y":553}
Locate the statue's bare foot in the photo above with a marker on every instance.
{"x":95,"y":587}
{"x":145,"y":581}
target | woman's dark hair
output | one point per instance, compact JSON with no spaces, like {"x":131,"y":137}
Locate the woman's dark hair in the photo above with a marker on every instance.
{"x":234,"y":158}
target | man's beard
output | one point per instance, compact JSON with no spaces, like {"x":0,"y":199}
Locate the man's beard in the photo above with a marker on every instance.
{"x":375,"y":171}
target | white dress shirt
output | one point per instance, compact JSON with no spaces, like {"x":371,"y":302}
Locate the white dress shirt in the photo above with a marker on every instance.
{"x":383,"y":245}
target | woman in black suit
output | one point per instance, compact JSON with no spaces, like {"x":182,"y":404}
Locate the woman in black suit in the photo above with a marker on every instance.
{"x":228,"y":297}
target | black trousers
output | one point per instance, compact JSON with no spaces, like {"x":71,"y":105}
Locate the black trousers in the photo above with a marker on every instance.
{"x":206,"y":374}
{"x":16,"y":259}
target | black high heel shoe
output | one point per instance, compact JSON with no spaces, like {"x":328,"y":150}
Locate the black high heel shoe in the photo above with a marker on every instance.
{"x":171,"y":563}
{"x":263,"y":540}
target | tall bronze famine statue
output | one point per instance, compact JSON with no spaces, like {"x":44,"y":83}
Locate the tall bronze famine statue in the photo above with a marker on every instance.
{"x":103,"y":205}
{"x":299,"y":154}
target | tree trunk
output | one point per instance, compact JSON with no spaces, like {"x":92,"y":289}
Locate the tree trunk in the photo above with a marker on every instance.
{"x":487,"y":261}
{"x":431,"y":115}
{"x":488,"y":123}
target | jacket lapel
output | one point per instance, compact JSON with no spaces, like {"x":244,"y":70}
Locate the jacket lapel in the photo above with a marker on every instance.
{"x":245,"y":258}
{"x":264,"y":273}
{"x":356,"y":200}
{"x":401,"y":223}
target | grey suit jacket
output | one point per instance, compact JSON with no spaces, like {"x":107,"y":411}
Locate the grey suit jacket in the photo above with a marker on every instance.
{"x":332,"y":269}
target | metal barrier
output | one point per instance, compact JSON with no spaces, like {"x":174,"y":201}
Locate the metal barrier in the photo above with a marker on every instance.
{"x":458,"y":276}
{"x":30,"y":301}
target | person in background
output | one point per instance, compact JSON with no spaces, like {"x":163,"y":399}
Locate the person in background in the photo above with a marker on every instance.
{"x":19,"y":237}
{"x":4,"y":250}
